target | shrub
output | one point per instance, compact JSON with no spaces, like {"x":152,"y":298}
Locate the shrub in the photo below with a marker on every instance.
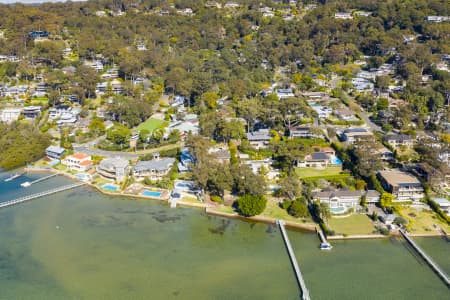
{"x":216,"y":199}
{"x":250,"y":205}
{"x":298,"y":209}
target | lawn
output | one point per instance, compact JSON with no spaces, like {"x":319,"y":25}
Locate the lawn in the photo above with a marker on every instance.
{"x":354,"y":224}
{"x":314,"y":172}
{"x":190,"y":199}
{"x":273,"y":210}
{"x":422,"y":221}
{"x":151,"y":124}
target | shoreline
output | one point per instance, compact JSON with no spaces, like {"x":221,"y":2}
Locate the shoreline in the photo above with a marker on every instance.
{"x":209,"y":210}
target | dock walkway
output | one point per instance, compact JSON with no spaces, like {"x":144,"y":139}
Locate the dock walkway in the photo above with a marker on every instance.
{"x":298,"y":274}
{"x":39,"y":180}
{"x":428,"y":259}
{"x":41,"y":194}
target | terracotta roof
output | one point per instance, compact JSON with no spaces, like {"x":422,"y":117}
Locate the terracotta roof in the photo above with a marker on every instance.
{"x":79,"y":155}
{"x":85,"y":163}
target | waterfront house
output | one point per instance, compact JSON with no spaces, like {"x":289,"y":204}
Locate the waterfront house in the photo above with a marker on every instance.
{"x":402,"y":185}
{"x":398,"y":140}
{"x":79,"y":161}
{"x":259,"y":139}
{"x":54,"y":152}
{"x":372,"y":197}
{"x":154,"y":169}
{"x":114,"y":168}
{"x":339,"y":201}
{"x":353,"y":135}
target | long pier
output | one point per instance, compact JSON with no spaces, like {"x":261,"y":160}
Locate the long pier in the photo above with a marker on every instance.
{"x":428,"y":259}
{"x":27,"y":184}
{"x":298,"y":274}
{"x":41,"y":194}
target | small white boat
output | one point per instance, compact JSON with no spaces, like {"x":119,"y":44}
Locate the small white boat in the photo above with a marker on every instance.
{"x":14,"y":176}
{"x":325,"y":246}
{"x":25,"y":184}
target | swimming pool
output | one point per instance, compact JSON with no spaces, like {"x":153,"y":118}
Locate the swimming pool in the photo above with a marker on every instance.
{"x":338,"y":210}
{"x":335,"y":160}
{"x":183,"y":185}
{"x":109,"y":187}
{"x":151,"y":193}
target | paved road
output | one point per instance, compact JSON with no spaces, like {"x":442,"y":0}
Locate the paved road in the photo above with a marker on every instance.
{"x":127,"y":155}
{"x":361,"y":112}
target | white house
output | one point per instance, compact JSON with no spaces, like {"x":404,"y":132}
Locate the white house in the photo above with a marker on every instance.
{"x":78,"y":161}
{"x":9,"y":115}
{"x":343,"y":15}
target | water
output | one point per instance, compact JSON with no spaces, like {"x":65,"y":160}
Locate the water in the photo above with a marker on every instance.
{"x":438,"y":249}
{"x":151,"y":193}
{"x":366,"y":269}
{"x":81,"y":244}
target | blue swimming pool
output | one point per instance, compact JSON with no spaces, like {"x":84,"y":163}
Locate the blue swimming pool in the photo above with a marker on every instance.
{"x":338,"y":210}
{"x":335,"y":160}
{"x":183,"y":185}
{"x":151,"y":193}
{"x":109,"y":187}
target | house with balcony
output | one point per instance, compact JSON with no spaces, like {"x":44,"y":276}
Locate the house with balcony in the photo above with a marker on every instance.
{"x":154,"y":169}
{"x":399,"y":140}
{"x":259,"y":139}
{"x":55,"y":152}
{"x":79,"y":162}
{"x":404,"y":186}
{"x":114,"y":168}
{"x":339,"y":201}
{"x":353,"y":135}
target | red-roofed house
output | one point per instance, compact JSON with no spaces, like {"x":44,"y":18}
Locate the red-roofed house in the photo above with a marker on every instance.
{"x":78,"y":161}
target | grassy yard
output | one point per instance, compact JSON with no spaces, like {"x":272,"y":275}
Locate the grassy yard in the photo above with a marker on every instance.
{"x":273,"y":210}
{"x":354,"y":224}
{"x":190,"y":199}
{"x":314,"y":172}
{"x":422,"y":221}
{"x":151,"y":124}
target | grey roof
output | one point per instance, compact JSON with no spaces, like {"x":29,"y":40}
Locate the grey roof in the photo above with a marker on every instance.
{"x":162,"y":164}
{"x":372,"y":194}
{"x":349,"y":130}
{"x":260,"y":135}
{"x":55,"y":149}
{"x":339,"y":193}
{"x":319,"y":156}
{"x":114,"y":163}
{"x":397,"y":137}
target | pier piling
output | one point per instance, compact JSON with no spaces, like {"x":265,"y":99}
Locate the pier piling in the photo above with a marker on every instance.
{"x":298,"y":274}
{"x":427,"y":259}
{"x":41,"y":194}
